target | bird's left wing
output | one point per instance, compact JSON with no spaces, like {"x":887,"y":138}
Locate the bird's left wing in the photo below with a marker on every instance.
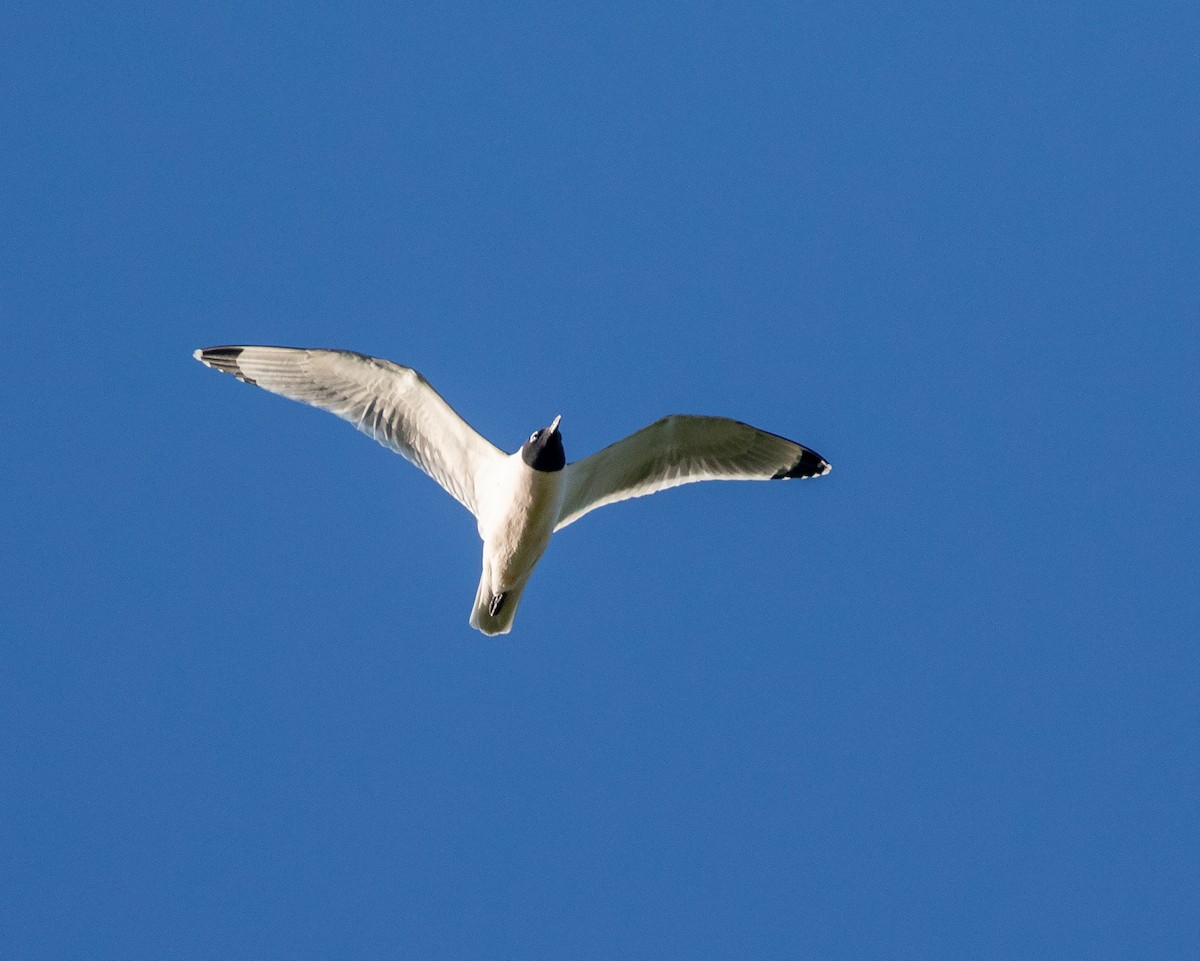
{"x":395,"y":405}
{"x":682,"y":449}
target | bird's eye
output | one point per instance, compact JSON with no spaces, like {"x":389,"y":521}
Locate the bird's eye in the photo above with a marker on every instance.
{"x":534,"y":436}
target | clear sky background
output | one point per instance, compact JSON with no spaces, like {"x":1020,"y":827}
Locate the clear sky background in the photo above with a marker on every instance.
{"x":941,"y":704}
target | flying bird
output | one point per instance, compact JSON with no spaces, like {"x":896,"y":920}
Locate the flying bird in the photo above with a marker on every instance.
{"x":518,"y":499}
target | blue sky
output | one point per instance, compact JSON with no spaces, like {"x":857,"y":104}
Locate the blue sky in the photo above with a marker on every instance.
{"x":941,"y":704}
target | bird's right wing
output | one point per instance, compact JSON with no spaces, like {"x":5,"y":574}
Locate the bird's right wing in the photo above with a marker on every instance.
{"x":395,"y":405}
{"x":682,"y":449}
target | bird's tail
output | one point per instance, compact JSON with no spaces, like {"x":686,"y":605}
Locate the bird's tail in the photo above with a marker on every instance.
{"x":494,"y":613}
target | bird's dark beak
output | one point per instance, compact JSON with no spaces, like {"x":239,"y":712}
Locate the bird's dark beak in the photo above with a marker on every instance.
{"x":554,"y":424}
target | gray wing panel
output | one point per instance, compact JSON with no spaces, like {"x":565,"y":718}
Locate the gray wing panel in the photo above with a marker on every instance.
{"x":682,"y":449}
{"x":393,"y":404}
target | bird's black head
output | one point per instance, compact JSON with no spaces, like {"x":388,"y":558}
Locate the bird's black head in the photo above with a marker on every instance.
{"x":544,"y":450}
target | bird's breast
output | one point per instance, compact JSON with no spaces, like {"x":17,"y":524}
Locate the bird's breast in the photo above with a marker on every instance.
{"x":519,"y":517}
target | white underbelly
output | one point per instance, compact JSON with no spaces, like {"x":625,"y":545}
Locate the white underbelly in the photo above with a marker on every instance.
{"x":517,"y":526}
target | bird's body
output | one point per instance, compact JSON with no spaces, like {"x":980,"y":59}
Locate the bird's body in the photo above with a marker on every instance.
{"x":519,"y":500}
{"x":516,"y":518}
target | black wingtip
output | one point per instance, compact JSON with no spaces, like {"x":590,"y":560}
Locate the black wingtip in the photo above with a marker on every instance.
{"x":224,"y":359}
{"x":220,"y":353}
{"x":809,"y":464}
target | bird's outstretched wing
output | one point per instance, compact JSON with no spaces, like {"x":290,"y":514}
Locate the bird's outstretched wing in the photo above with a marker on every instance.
{"x":682,"y":449}
{"x":393,"y":404}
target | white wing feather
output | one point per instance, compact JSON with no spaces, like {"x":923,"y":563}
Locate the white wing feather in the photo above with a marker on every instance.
{"x":395,"y":405}
{"x":682,"y":449}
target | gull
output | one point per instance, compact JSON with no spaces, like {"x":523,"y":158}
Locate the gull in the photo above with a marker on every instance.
{"x":519,"y":500}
